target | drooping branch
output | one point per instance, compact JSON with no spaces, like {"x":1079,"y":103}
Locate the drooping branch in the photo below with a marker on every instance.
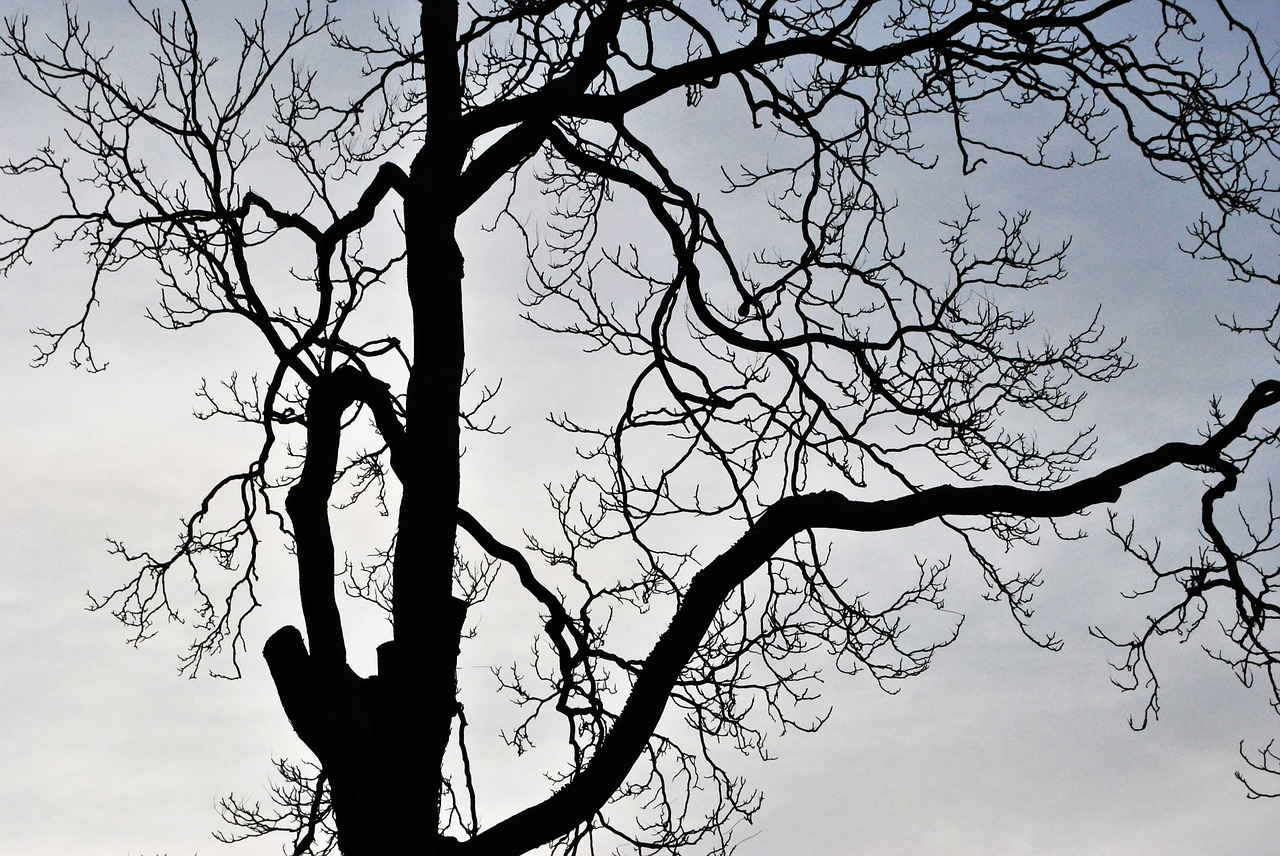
{"x":303,"y":810}
{"x":559,"y":622}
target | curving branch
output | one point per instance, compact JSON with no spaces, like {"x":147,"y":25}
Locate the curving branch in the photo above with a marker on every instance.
{"x":587,"y":792}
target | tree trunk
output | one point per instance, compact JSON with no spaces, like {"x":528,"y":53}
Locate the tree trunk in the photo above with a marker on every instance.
{"x":364,"y":733}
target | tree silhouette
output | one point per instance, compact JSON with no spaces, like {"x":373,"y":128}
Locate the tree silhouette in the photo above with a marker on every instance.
{"x":823,"y":382}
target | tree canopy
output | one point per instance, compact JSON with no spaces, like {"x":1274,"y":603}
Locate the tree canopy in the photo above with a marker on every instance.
{"x":787,"y":365}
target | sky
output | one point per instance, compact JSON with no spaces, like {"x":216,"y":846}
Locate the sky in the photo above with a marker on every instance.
{"x":1000,"y":748}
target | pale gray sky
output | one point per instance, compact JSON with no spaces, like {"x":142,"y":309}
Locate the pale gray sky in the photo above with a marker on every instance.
{"x":1001,"y":748}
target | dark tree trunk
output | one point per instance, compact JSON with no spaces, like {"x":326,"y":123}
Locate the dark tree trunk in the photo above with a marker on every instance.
{"x":382,"y":739}
{"x":360,"y":732}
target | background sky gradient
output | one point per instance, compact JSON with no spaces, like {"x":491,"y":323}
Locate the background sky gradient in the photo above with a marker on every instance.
{"x":1001,"y":748}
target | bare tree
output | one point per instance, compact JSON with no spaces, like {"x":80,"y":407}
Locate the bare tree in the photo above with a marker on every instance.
{"x":829,"y":382}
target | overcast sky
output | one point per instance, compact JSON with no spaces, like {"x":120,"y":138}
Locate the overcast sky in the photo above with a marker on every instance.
{"x":1000,"y":748}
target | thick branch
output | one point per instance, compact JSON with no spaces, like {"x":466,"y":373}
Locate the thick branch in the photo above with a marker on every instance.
{"x":308,"y":500}
{"x":291,"y":670}
{"x":837,"y":45}
{"x":589,"y":790}
{"x":308,"y":507}
{"x":506,"y":154}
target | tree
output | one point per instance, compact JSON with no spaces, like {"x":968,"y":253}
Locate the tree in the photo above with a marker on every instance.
{"x":819,"y":381}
